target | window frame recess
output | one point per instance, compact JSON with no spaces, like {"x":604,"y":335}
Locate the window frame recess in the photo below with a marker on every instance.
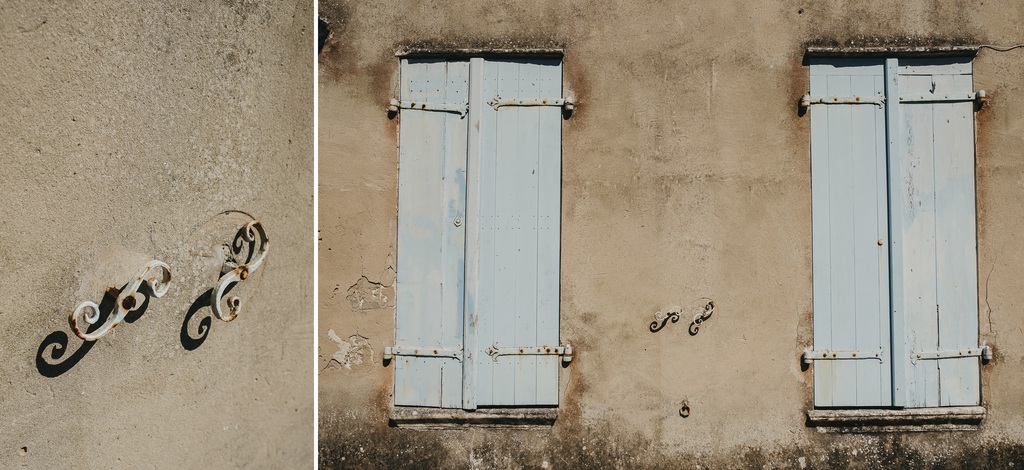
{"x":894,"y":249}
{"x":479,"y":215}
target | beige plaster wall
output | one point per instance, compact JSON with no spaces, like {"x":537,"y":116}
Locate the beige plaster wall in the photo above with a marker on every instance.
{"x":132,"y":131}
{"x":685,"y":175}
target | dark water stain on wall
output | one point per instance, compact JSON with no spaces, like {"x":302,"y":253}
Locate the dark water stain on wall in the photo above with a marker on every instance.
{"x":604,"y":445}
{"x":335,"y":52}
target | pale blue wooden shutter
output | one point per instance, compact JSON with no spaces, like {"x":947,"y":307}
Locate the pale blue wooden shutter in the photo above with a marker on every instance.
{"x":938,"y":266}
{"x":431,"y":234}
{"x":514,"y":284}
{"x":850,"y":225}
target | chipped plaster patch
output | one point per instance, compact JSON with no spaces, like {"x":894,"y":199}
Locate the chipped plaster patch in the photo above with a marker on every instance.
{"x":352,"y":352}
{"x":368,"y":295}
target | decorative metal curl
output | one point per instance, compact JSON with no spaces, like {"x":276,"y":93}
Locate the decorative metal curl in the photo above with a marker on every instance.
{"x":156,"y":274}
{"x":664,"y":318}
{"x":250,"y":233}
{"x":701,"y":317}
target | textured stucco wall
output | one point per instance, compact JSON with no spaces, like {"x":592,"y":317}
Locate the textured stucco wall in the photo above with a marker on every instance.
{"x":686,"y":174}
{"x":138,"y":130}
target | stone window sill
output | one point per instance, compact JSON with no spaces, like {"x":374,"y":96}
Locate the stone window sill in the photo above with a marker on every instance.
{"x":441,"y":418}
{"x":959,"y":418}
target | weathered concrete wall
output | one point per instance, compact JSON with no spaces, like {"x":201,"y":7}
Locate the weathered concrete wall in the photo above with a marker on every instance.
{"x":686,"y":174}
{"x":147,"y":130}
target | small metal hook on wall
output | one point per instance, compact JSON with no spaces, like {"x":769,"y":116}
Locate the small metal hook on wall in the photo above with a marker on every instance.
{"x":684,"y":411}
{"x":250,"y":233}
{"x":156,"y":274}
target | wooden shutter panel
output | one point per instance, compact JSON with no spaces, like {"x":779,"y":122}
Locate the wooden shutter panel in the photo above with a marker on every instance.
{"x":515,"y":286}
{"x":849,"y":219}
{"x":431,"y":245}
{"x":939,"y":262}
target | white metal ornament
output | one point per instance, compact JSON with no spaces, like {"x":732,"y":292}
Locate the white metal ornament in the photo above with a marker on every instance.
{"x":155,"y":273}
{"x":252,"y":231}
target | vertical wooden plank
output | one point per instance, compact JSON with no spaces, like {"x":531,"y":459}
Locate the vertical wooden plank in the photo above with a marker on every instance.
{"x":429,"y":303}
{"x":821,"y":240}
{"x":419,"y":277}
{"x":484,"y":284}
{"x":901,"y":376}
{"x":869,"y":209}
{"x":453,"y":241}
{"x":473,"y":234}
{"x":549,"y":216}
{"x":843,"y":252}
{"x":525,"y":229}
{"x":956,"y":245}
{"x":506,"y":193}
{"x":917,"y":205}
{"x":882,"y":260}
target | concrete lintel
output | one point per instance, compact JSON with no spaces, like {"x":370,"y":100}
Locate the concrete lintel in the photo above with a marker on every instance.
{"x":480,"y":52}
{"x":891,"y":51}
{"x":959,"y":418}
{"x":439,"y":418}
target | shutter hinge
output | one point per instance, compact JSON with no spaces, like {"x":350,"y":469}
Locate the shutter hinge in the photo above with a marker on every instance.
{"x":811,"y":355}
{"x":564,"y":350}
{"x":565,"y":103}
{"x":984,"y":352}
{"x":391,"y":351}
{"x":459,"y":108}
{"x":978,"y":96}
{"x":877,"y":100}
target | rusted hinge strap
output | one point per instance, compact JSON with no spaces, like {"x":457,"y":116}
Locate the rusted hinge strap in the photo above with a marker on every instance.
{"x":984,"y":352}
{"x":564,"y":350}
{"x":391,"y":351}
{"x":808,"y":100}
{"x":459,"y":108}
{"x":498,"y":102}
{"x":944,"y":97}
{"x":833,"y":355}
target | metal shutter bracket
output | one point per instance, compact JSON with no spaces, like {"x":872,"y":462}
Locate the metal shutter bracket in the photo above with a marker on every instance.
{"x":391,"y":352}
{"x":978,"y":96}
{"x":564,"y":350}
{"x":984,"y":352}
{"x":879,"y":100}
{"x":498,"y":102}
{"x":833,"y":355}
{"x":459,"y":108}
{"x":808,"y":100}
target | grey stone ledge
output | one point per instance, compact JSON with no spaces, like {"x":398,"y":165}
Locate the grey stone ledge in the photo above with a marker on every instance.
{"x":888,"y":51}
{"x":956,"y":418}
{"x":441,"y":418}
{"x":512,"y":52}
